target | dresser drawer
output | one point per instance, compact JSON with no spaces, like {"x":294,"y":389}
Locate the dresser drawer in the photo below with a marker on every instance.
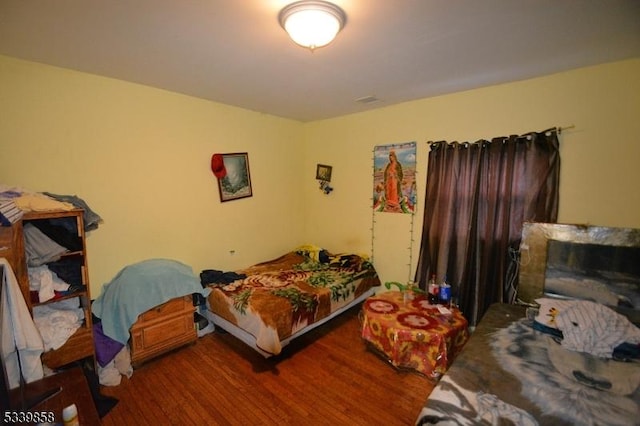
{"x":162,"y":329}
{"x":179,"y":304}
{"x":163,"y":333}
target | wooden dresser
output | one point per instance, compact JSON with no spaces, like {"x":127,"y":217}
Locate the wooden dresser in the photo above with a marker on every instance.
{"x":162,"y":329}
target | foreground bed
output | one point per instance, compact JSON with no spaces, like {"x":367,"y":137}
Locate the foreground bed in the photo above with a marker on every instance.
{"x":271,"y":303}
{"x":509,"y":371}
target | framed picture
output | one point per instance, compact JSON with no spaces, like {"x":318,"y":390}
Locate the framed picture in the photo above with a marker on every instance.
{"x":323,"y":172}
{"x":237,"y":181}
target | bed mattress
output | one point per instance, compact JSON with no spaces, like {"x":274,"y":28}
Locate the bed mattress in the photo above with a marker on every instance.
{"x":275,"y":300}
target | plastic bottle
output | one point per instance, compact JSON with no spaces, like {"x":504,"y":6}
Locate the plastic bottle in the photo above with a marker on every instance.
{"x":70,"y":416}
{"x":407,"y":295}
{"x":433,"y":290}
{"x":445,"y":292}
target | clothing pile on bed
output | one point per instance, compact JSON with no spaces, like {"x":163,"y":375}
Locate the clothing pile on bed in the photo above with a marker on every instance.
{"x":589,"y":327}
{"x":218,"y":277}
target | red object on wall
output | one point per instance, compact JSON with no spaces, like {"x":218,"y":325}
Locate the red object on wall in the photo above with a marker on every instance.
{"x":217,"y":166}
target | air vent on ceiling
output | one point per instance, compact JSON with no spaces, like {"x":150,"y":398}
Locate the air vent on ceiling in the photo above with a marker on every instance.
{"x":367,"y":99}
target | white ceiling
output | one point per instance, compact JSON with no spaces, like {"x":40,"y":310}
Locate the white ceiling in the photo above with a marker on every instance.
{"x":235,"y":52}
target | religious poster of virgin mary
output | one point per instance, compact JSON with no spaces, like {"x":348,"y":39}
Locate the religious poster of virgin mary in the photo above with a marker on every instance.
{"x":394,"y":178}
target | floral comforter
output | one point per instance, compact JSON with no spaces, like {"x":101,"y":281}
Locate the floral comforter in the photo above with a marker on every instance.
{"x":275,"y":299}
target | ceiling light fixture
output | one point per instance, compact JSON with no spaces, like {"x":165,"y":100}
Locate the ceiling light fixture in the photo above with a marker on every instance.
{"x":312,"y":24}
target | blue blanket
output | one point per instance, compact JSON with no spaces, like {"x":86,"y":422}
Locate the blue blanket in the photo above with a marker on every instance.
{"x":138,"y":288}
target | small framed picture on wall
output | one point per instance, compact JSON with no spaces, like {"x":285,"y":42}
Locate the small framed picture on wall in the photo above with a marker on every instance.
{"x":236,"y":182}
{"x":323,"y":172}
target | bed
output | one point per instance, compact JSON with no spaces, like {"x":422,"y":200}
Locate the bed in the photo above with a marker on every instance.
{"x":562,"y":359}
{"x":511,"y":371}
{"x":269,"y":304}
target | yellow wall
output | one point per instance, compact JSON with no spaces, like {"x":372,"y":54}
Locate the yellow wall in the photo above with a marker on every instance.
{"x":140,"y":157}
{"x":600,"y":157}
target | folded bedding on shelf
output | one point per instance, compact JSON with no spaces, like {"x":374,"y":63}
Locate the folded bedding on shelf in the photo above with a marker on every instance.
{"x":58,"y":321}
{"x":39,"y":248}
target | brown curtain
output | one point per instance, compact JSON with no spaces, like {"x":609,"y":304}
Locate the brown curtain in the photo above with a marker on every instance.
{"x":478,"y":196}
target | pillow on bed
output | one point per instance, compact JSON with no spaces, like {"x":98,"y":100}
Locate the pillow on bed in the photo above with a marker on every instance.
{"x":315,"y":253}
{"x":549,"y":309}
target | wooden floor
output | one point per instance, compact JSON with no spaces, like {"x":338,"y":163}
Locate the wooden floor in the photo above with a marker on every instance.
{"x":326,"y":377}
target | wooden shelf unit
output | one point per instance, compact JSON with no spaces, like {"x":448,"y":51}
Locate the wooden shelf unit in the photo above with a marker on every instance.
{"x":12,"y":246}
